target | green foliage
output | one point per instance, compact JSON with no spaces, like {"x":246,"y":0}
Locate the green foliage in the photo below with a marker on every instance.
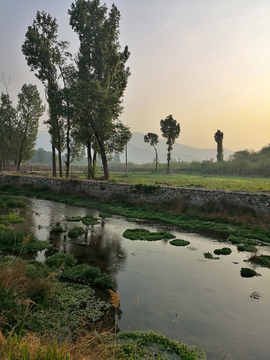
{"x":179,"y":242}
{"x":8,"y":201}
{"x":143,"y":234}
{"x":89,"y":275}
{"x":150,"y":345}
{"x":75,"y":232}
{"x":246,"y":272}
{"x":223,"y":251}
{"x":57,"y":261}
{"x":152,"y":139}
{"x":10,"y":219}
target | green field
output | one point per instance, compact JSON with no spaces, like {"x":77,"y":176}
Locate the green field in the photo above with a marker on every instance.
{"x":188,"y":180}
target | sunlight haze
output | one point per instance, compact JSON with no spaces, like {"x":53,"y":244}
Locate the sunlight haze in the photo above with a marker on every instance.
{"x":205,"y":62}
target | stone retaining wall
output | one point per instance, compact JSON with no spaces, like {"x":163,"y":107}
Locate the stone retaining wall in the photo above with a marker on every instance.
{"x":197,"y":196}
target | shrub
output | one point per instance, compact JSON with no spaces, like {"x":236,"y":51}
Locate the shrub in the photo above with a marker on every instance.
{"x":11,"y":201}
{"x":57,"y":229}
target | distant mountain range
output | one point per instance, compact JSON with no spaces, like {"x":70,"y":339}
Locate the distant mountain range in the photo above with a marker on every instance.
{"x":140,"y":152}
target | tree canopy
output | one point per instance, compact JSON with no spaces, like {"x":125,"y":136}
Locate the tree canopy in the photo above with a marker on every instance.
{"x":219,"y":140}
{"x":152,"y":139}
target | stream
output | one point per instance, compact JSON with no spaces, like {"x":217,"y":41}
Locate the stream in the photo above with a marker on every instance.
{"x":171,"y":290}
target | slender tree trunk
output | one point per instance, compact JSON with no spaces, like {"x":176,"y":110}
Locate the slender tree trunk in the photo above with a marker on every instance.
{"x":103,"y":158}
{"x":89,"y":162}
{"x":60,"y":162}
{"x":156,"y":158}
{"x":68,"y":148}
{"x":53,"y":162}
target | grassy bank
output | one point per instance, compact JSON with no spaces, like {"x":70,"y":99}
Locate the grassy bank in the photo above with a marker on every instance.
{"x":222,"y":217}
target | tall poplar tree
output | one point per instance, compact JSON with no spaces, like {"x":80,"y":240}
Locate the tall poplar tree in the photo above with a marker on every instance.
{"x":29,"y":110}
{"x":219,"y":140}
{"x":102,"y":76}
{"x":41,"y":50}
{"x":152,"y":139}
{"x":170,"y":130}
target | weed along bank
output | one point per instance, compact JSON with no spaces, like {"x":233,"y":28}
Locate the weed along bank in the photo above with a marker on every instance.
{"x":258,"y":201}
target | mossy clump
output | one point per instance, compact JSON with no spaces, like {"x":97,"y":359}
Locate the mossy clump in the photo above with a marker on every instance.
{"x":89,"y":275}
{"x":208,"y":255}
{"x":103,"y":215}
{"x":11,"y":201}
{"x":223,"y":251}
{"x":247,"y":272}
{"x":262,"y":260}
{"x":150,"y":345}
{"x":18,"y":242}
{"x":246,"y":247}
{"x":75,"y":232}
{"x":60,"y":260}
{"x":179,"y":242}
{"x":57,"y":229}
{"x":143,"y":234}
{"x":90,"y":220}
{"x":74,"y":218}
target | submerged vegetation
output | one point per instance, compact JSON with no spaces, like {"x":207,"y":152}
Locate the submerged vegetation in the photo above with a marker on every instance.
{"x":247,"y":272}
{"x":208,"y":255}
{"x":223,"y":251}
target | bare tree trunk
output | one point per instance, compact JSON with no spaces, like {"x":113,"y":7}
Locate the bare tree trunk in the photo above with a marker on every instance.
{"x":89,"y":162}
{"x":53,"y":162}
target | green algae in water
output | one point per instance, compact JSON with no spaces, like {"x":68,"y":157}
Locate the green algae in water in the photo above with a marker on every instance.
{"x":179,"y":242}
{"x":223,"y":251}
{"x":143,"y":234}
{"x":262,"y":260}
{"x":75,"y":232}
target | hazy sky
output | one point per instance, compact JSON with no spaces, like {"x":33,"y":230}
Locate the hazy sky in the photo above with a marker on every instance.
{"x":206,"y":62}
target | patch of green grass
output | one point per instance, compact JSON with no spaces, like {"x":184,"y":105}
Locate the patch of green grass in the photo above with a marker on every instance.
{"x":75,"y":232}
{"x":61,"y":260}
{"x":90,"y":220}
{"x":223,"y":251}
{"x":246,"y":247}
{"x":246,"y":272}
{"x":11,"y":201}
{"x":179,"y":242}
{"x":89,"y":275}
{"x":150,"y":345}
{"x":10,"y":219}
{"x":143,"y":234}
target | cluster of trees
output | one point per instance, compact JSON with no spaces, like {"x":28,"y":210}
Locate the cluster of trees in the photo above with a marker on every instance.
{"x":19,"y":126}
{"x":170,"y":130}
{"x":84,"y":93}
